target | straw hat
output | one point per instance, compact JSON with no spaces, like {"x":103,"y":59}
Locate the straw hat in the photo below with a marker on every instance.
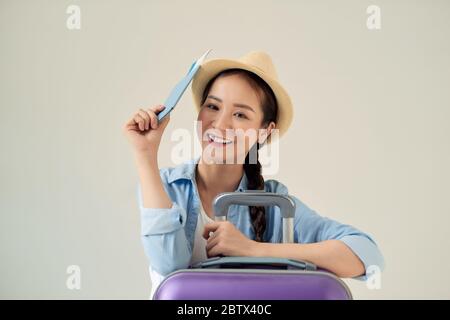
{"x":257,"y":62}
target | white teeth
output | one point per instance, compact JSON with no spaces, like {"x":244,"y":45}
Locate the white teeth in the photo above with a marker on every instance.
{"x":218,"y":139}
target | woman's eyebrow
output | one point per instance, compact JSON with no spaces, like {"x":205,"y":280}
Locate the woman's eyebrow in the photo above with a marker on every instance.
{"x":239,"y":105}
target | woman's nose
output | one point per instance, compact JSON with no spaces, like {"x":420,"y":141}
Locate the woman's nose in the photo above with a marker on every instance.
{"x":222,"y":122}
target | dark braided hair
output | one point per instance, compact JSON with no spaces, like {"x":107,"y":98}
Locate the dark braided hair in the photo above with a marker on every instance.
{"x":252,"y":167}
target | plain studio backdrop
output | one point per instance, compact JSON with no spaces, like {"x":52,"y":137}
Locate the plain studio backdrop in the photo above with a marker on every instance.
{"x":369,"y":144}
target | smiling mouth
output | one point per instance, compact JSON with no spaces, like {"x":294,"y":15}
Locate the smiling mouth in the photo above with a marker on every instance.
{"x":218,"y":140}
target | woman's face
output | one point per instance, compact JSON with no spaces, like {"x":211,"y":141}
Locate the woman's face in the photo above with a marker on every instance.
{"x":230,"y":120}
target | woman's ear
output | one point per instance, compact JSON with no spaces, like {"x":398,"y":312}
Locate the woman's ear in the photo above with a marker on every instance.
{"x":263,"y":134}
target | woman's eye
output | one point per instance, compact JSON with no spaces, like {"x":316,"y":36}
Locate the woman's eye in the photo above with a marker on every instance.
{"x":241,"y":115}
{"x":211,"y":106}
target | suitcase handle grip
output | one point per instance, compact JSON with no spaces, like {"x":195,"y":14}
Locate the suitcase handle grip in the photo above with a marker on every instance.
{"x":253,"y":198}
{"x":239,"y":262}
{"x":223,"y":201}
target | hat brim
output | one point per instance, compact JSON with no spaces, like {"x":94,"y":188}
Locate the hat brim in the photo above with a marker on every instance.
{"x":211,"y":68}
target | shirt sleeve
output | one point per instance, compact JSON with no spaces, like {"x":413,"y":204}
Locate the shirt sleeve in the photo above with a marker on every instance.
{"x":311,"y":227}
{"x":163,"y":237}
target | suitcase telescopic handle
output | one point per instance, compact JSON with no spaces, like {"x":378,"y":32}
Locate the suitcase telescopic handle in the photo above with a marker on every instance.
{"x":223,"y":201}
{"x":243,"y":262}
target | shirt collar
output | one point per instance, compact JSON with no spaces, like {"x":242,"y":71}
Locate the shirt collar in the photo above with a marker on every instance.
{"x":187,"y":169}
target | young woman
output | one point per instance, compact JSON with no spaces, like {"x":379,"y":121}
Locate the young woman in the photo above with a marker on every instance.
{"x":232,"y":97}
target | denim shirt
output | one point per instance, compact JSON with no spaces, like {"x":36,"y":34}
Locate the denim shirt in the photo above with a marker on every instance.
{"x":168,"y":234}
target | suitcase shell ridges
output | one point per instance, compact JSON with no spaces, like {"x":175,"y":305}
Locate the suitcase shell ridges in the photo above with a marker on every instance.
{"x":251,"y":284}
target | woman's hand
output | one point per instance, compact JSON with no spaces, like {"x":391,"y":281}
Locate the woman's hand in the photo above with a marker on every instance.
{"x":227,"y":240}
{"x":144,"y":131}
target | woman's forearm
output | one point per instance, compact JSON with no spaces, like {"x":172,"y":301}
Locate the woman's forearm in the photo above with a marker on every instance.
{"x":153,"y":193}
{"x":332,"y":255}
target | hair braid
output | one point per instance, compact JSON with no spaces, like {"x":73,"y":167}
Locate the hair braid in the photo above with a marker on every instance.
{"x":255,"y":182}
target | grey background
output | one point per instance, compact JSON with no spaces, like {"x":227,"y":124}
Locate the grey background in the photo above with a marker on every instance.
{"x":368,"y":146}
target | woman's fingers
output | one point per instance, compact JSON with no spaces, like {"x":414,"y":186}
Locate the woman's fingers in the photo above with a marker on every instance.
{"x":153,"y":119}
{"x":214,"y":251}
{"x":145,"y":119}
{"x":144,"y":114}
{"x":139,"y":121}
{"x":150,"y":116}
{"x":210,"y":227}
{"x":130,"y":124}
{"x":212,"y":241}
{"x":156,"y":109}
{"x":153,"y":111}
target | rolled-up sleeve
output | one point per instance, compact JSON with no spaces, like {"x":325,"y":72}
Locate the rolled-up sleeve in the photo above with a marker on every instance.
{"x":311,"y":227}
{"x":163,"y":237}
{"x":366,"y":250}
{"x":160,"y":221}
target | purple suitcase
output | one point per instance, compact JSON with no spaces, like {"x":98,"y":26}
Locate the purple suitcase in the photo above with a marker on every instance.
{"x":249,"y":278}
